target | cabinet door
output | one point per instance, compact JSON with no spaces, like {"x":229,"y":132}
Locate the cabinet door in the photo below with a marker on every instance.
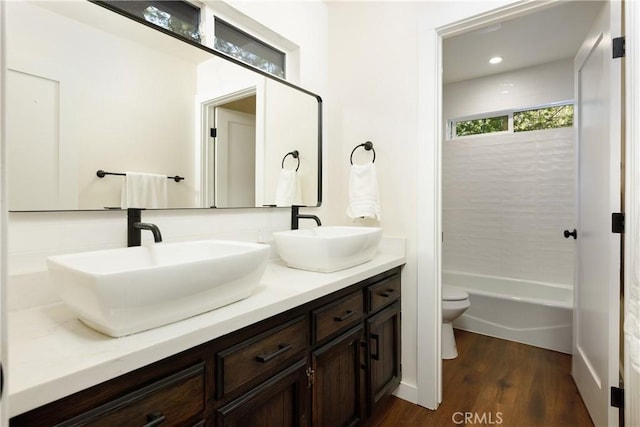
{"x":278,"y":402}
{"x":383,"y":336}
{"x":336,"y":381}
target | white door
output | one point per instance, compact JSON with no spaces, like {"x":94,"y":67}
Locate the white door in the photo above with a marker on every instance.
{"x":597,"y":289}
{"x":235,"y":159}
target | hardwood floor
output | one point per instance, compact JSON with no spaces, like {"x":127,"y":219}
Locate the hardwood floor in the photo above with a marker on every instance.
{"x":499,"y":383}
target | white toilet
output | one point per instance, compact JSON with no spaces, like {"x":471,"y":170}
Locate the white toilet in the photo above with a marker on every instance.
{"x":454,"y":302}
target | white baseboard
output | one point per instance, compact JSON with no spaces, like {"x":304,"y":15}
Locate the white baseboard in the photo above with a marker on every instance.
{"x":407,"y":392}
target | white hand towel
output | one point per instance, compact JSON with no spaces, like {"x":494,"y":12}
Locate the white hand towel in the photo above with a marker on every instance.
{"x":364,"y":200}
{"x":144,"y":190}
{"x":287,"y":190}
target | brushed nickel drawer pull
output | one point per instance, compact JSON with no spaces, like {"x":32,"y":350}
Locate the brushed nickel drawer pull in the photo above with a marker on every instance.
{"x":282,"y":348}
{"x":345,"y":316}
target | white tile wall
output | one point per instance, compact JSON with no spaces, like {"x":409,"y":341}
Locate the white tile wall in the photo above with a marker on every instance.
{"x":506,"y":201}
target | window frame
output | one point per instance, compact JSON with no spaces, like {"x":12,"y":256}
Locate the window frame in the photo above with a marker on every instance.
{"x":137,"y":13}
{"x":451,"y":123}
{"x":243,"y":33}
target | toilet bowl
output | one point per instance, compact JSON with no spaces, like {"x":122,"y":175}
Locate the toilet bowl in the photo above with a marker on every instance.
{"x":454,"y":302}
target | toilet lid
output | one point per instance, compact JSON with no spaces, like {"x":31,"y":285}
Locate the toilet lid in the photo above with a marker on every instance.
{"x":451,"y":293}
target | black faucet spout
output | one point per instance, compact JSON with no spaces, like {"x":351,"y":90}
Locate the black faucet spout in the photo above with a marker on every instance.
{"x":157,"y":236}
{"x":296,"y":216}
{"x":135,"y":225}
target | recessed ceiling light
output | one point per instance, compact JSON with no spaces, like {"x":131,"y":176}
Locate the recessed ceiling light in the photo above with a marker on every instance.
{"x":495,"y":60}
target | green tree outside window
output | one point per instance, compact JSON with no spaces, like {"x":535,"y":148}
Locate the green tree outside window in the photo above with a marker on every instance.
{"x":543,"y":118}
{"x":480,"y":126}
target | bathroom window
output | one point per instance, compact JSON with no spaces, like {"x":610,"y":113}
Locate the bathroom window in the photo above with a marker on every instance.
{"x":523,"y":120}
{"x":179,"y":17}
{"x":483,"y":125}
{"x":240,"y":45}
{"x":543,"y":118}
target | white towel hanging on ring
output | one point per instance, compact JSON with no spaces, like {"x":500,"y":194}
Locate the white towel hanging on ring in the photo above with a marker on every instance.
{"x":288,"y":190}
{"x":364,"y":199}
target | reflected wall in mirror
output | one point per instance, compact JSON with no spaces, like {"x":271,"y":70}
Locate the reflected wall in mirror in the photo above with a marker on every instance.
{"x":93,"y":90}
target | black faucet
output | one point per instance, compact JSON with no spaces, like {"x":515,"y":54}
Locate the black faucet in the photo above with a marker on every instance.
{"x":296,"y":216}
{"x":135,"y":225}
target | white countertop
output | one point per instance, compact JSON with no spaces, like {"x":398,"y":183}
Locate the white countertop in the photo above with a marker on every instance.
{"x":52,"y":354}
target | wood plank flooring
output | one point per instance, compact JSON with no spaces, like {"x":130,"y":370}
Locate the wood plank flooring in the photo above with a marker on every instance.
{"x":499,"y":383}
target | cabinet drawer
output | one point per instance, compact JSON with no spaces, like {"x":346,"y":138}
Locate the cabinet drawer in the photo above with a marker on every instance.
{"x":337,"y":316}
{"x":383,"y":293}
{"x":259,"y":356}
{"x":178,"y":399}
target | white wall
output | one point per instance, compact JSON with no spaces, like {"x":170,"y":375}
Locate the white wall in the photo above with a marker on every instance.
{"x":528,"y":87}
{"x":384,"y":88}
{"x":507,"y":198}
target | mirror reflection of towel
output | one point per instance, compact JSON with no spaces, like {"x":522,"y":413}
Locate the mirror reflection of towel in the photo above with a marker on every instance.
{"x":144,"y":190}
{"x":364,"y":200}
{"x":288,"y":191}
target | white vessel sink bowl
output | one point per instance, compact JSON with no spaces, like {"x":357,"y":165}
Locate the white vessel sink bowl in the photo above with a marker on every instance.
{"x":123,"y":291}
{"x":327,"y":248}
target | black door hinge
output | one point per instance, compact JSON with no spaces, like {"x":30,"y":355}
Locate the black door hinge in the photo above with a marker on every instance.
{"x":617,"y":222}
{"x":617,"y":397}
{"x":618,"y":47}
{"x":214,"y":132}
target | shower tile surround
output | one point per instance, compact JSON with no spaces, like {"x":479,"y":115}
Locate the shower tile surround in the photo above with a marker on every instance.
{"x":506,"y":200}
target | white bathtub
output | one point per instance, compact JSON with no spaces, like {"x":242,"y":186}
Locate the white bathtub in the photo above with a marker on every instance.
{"x":534,"y":313}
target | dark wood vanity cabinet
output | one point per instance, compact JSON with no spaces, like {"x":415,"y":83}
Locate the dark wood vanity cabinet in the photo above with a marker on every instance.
{"x":172,"y":391}
{"x":325,"y":363}
{"x":279,"y":401}
{"x":383,"y":332}
{"x":337,"y":389}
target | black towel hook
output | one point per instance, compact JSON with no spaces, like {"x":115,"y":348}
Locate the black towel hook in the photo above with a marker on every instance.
{"x":367,"y":146}
{"x":295,"y":154}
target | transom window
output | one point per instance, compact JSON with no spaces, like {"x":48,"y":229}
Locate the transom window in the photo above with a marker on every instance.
{"x":183,"y":19}
{"x":240,"y":45}
{"x":543,"y":118}
{"x":548,"y":117}
{"x":179,"y":17}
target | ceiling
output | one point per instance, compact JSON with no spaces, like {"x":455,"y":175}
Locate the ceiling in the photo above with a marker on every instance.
{"x":549,"y":35}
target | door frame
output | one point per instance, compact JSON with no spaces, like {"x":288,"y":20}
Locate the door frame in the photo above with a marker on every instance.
{"x":429,"y":225}
{"x":631,"y":94}
{"x":4,"y":221}
{"x":204,"y":152}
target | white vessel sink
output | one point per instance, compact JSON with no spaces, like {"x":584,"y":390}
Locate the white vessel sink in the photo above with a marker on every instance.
{"x":123,"y":291}
{"x":327,"y":249}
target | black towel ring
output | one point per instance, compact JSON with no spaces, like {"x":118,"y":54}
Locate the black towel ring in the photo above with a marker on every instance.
{"x":367,"y":146}
{"x":295,"y":154}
